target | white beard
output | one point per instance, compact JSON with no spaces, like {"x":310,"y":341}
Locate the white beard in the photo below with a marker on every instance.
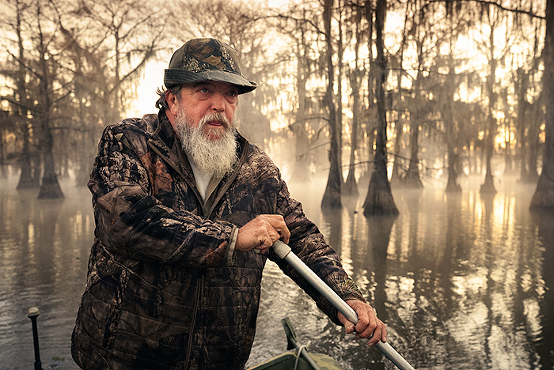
{"x":216,"y":156}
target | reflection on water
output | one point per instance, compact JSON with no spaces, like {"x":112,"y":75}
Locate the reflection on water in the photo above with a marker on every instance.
{"x":44,"y":247}
{"x":463,"y":282}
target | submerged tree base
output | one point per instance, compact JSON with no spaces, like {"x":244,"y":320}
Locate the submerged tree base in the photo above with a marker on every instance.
{"x":453,"y":187}
{"x":488,"y":187}
{"x":50,"y":190}
{"x":543,"y":198}
{"x":379,"y":200}
{"x":331,"y":200}
{"x":332,"y":195}
{"x":412,"y":180}
{"x":27,"y":183}
{"x":350,"y":187}
{"x":26,"y":179}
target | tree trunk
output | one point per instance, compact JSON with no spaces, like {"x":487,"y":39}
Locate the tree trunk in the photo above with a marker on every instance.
{"x":4,"y":116}
{"x":369,"y":13}
{"x":379,"y":200}
{"x":49,"y":187}
{"x":543,"y":198}
{"x":413,"y":178}
{"x":301,"y":171}
{"x":396,"y":177}
{"x":350,"y":186}
{"x":27,"y":180}
{"x":488,"y":186}
{"x":332,"y":195}
{"x":398,"y":161}
{"x":339,"y":122}
{"x":83,"y":160}
{"x":521,"y":87}
{"x":452,"y":185}
{"x":537,"y":116}
{"x":490,"y":132}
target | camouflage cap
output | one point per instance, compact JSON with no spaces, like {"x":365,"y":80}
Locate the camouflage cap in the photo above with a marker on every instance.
{"x":206,"y":60}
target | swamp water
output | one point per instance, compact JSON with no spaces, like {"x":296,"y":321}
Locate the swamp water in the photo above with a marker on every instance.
{"x":462,"y":282}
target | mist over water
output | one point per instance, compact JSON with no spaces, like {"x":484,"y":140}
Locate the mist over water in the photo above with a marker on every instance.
{"x":462,"y":281}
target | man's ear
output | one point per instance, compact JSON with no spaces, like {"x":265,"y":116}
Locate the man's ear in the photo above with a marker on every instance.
{"x":171,"y":100}
{"x":172,"y":105}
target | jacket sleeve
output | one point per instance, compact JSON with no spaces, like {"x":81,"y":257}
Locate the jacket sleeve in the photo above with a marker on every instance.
{"x":308,"y":244}
{"x":132,"y":223}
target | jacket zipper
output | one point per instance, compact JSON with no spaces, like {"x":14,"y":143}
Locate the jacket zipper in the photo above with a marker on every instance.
{"x":199,"y":285}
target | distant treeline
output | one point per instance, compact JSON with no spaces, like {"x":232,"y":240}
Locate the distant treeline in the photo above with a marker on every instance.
{"x":415,"y":84}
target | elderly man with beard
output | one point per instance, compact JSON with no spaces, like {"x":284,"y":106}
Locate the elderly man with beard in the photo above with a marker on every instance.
{"x":186,"y":211}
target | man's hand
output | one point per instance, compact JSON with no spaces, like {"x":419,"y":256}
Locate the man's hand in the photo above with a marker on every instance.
{"x":368,"y":326}
{"x":261,"y":232}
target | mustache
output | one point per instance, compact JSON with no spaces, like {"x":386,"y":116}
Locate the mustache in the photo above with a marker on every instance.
{"x":215,"y":117}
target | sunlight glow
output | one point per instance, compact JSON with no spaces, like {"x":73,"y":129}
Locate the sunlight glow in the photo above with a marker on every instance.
{"x":146,"y":96}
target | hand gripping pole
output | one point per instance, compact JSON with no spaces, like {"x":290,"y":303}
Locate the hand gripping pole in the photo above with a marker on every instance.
{"x":284,"y":252}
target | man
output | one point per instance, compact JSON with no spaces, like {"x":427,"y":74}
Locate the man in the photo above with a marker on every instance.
{"x":186,"y":211}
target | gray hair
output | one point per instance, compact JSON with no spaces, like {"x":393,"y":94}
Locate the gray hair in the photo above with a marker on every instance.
{"x":161,"y":103}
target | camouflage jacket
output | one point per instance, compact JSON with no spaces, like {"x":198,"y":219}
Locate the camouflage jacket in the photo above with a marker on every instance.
{"x":165,"y":289}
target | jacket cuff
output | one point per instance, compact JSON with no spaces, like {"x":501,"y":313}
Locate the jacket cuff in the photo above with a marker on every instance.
{"x":230,"y":258}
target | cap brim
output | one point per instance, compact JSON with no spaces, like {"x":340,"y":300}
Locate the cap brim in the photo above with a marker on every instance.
{"x":174,"y":77}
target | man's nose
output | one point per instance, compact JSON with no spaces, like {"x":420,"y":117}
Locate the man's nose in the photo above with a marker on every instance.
{"x":218,"y":102}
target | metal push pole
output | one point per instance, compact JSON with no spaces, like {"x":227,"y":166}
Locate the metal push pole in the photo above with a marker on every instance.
{"x":284,"y":252}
